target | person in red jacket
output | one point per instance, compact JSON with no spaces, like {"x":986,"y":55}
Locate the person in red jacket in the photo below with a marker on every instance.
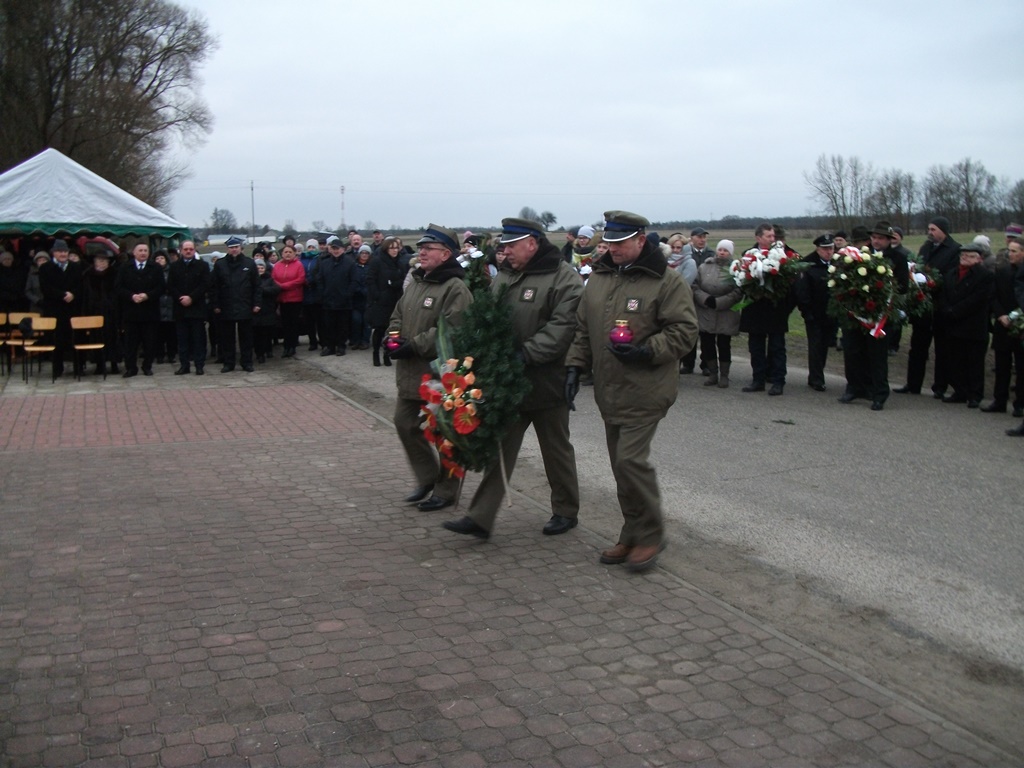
{"x":291,"y":276}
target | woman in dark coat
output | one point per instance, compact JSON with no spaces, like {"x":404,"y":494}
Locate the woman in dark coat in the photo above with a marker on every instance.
{"x":100,"y":298}
{"x":384,"y":280}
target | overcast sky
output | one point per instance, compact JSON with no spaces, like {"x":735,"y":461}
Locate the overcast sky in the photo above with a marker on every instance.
{"x":460,"y":113}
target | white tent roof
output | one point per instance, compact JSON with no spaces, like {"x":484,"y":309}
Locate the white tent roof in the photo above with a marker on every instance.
{"x":51,"y":193}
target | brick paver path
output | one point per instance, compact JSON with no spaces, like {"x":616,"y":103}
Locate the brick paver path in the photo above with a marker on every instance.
{"x":224,"y":577}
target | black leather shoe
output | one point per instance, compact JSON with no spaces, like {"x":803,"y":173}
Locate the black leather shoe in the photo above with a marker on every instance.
{"x":1016,"y":431}
{"x":199,"y":371}
{"x":129,"y":373}
{"x":994,"y":407}
{"x":846,"y":397}
{"x":817,"y":387}
{"x":419,"y":494}
{"x":433,"y":504}
{"x":939,"y":395}
{"x":466,"y":526}
{"x":877,"y":405}
{"x":754,"y":387}
{"x":973,"y":403}
{"x":227,"y":369}
{"x":326,"y":351}
{"x":182,"y":371}
{"x":905,"y":390}
{"x":954,"y":399}
{"x":775,"y":391}
{"x":558,"y":524}
{"x":248,"y":368}
{"x":147,"y":371}
{"x":1018,"y":411}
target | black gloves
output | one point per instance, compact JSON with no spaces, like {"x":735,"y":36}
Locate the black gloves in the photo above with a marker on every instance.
{"x":572,"y":385}
{"x":710,"y":302}
{"x":403,"y":352}
{"x":631,"y":353}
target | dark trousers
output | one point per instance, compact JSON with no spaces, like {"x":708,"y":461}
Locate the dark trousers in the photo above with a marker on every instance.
{"x":63,"y":340}
{"x":262,"y":340}
{"x":334,"y":328}
{"x":167,"y":340}
{"x":636,"y":483}
{"x":291,"y":315}
{"x":191,"y":341}
{"x":1009,"y":359}
{"x":134,"y":332}
{"x":767,"y":357}
{"x":715,"y":348}
{"x":866,"y":364}
{"x":689,"y":360}
{"x":923,"y":332}
{"x":226,"y":344}
{"x":312,"y":317}
{"x":967,"y":367}
{"x":360,"y":330}
{"x":820,"y":336}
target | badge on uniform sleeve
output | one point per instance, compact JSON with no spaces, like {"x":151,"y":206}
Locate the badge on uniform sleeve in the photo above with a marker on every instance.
{"x":428,"y":302}
{"x":528,"y":294}
{"x":633,"y":305}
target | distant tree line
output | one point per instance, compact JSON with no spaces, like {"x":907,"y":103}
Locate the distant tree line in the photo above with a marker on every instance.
{"x":849,"y":191}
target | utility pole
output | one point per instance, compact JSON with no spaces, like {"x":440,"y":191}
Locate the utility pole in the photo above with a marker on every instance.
{"x":252,"y":221}
{"x":343,"y":209}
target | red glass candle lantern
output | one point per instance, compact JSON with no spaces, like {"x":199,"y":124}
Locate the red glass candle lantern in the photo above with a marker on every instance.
{"x":621,"y":333}
{"x":393,"y":341}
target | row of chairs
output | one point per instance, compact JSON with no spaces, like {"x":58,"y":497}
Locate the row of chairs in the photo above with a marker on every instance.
{"x":31,"y":335}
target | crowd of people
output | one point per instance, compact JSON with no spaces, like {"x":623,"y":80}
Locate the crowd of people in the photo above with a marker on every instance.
{"x":625,"y":310}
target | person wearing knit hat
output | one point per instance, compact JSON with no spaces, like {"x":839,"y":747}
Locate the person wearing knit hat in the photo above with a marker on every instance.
{"x":714,"y":294}
{"x":939,"y":254}
{"x":635,"y":321}
{"x":969,"y":288}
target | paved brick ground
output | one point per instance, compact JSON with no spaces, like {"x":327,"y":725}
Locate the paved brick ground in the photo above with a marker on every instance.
{"x":223,"y":577}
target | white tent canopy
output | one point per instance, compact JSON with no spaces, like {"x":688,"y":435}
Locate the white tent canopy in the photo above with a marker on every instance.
{"x":51,"y":194}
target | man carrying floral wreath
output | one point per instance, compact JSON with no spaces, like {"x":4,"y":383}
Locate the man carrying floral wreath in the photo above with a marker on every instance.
{"x":542,"y":291}
{"x":766,"y":323}
{"x":636,"y":320}
{"x":865,"y":347}
{"x":437,"y":290}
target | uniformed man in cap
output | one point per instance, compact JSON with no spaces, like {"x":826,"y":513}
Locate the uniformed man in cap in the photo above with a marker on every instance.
{"x":635,"y":383}
{"x":436,"y":290}
{"x":812,"y":297}
{"x":866,"y":357}
{"x":543,"y":292}
{"x":236,"y":298}
{"x":61,"y":284}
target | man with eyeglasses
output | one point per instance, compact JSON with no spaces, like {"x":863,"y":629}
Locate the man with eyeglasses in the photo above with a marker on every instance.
{"x":437,"y":290}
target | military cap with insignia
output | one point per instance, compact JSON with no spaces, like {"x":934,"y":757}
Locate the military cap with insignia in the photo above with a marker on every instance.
{"x":234,"y":240}
{"x":824,"y":241}
{"x":622,"y":225}
{"x":435,"y":233}
{"x":513,"y":229}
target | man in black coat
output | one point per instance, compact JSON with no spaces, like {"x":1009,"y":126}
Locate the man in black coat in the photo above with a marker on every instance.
{"x":188,"y":282}
{"x":865,"y":356}
{"x":1009,"y":352}
{"x":236,"y":298}
{"x":60,"y":282}
{"x":812,"y":297}
{"x":139,"y":286}
{"x":336,"y":280}
{"x":766,"y":324}
{"x":939,"y":254}
{"x":967,"y":293}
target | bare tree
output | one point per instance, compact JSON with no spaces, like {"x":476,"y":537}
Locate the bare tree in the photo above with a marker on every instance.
{"x":965,"y":193}
{"x":110,"y":83}
{"x":841,"y":187}
{"x":1014,"y":201}
{"x":222,"y":221}
{"x":526,"y":212}
{"x":894,"y":197}
{"x":318,"y":225}
{"x":548,"y":219}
